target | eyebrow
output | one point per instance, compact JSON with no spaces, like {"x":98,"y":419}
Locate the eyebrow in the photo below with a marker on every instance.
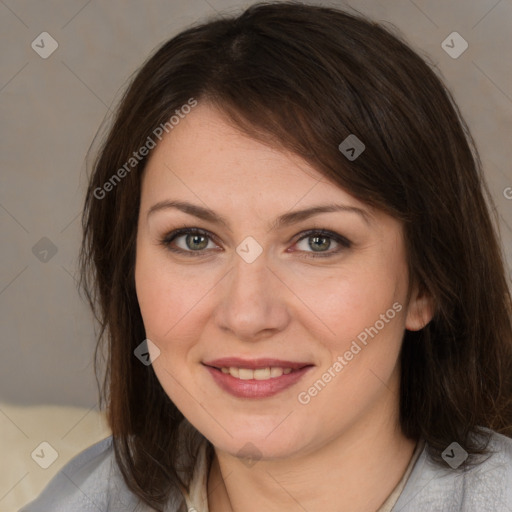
{"x":284,"y":220}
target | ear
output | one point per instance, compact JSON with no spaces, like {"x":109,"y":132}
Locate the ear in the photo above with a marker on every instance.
{"x":420,"y":310}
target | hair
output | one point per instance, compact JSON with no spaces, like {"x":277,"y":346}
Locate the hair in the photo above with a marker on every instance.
{"x":302,"y":78}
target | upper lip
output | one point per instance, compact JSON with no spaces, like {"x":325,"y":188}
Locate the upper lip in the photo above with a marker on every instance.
{"x":237,"y":362}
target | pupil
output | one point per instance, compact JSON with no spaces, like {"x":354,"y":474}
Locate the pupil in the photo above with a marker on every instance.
{"x":195,"y":239}
{"x":316,"y":238}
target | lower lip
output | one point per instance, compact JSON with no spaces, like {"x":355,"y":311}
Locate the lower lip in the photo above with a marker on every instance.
{"x":253,"y":388}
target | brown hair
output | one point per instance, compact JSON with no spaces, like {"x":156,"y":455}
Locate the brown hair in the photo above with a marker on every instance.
{"x":303,"y":78}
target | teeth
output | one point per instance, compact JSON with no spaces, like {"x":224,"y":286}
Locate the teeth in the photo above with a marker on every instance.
{"x":276,"y":372}
{"x":243,"y":373}
{"x":259,"y":374}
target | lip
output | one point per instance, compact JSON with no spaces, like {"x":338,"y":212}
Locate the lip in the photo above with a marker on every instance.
{"x":254,"y":364}
{"x":253,"y":388}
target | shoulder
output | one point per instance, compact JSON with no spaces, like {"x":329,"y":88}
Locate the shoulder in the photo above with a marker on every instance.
{"x":91,"y":481}
{"x":485,"y":487}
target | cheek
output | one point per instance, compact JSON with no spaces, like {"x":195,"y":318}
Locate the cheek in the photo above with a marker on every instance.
{"x":166,"y":314}
{"x":153,"y":300}
{"x":339,"y":308}
{"x":156,"y":288}
{"x":363,"y":323}
{"x":173,"y":299}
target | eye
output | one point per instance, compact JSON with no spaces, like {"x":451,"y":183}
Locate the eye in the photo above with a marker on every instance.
{"x":195,"y":241}
{"x":320,"y":240}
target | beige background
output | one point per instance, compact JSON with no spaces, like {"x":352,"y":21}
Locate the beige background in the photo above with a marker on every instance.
{"x":51,"y":109}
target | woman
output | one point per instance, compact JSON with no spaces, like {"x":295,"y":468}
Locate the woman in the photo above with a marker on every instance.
{"x":288,"y":248}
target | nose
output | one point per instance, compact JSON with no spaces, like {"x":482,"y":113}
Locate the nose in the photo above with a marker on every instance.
{"x":253,"y":301}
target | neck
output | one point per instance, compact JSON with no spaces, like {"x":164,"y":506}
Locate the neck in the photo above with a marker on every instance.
{"x":355,"y":472}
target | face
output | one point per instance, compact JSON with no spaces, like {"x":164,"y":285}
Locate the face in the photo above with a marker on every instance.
{"x":238,"y":279}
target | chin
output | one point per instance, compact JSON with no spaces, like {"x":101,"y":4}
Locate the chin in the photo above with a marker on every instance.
{"x":258,"y":443}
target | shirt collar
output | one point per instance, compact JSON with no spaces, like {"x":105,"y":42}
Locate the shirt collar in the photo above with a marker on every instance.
{"x":196,"y":498}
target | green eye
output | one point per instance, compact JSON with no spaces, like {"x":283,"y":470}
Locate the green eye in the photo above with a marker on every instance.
{"x":321,"y":240}
{"x":196,"y":242}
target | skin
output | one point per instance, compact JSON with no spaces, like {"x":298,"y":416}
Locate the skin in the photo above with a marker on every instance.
{"x":344,"y":449}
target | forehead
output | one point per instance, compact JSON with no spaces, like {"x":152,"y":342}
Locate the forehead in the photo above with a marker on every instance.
{"x":206,"y":156}
{"x":205,"y":140}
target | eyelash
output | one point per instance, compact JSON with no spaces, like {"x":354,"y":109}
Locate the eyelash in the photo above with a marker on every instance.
{"x":342,"y":241}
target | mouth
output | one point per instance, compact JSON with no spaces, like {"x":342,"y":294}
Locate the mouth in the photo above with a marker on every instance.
{"x":258,"y":378}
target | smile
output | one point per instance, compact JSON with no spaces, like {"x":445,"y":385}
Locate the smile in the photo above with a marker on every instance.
{"x":261,"y":378}
{"x":259,"y":374}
